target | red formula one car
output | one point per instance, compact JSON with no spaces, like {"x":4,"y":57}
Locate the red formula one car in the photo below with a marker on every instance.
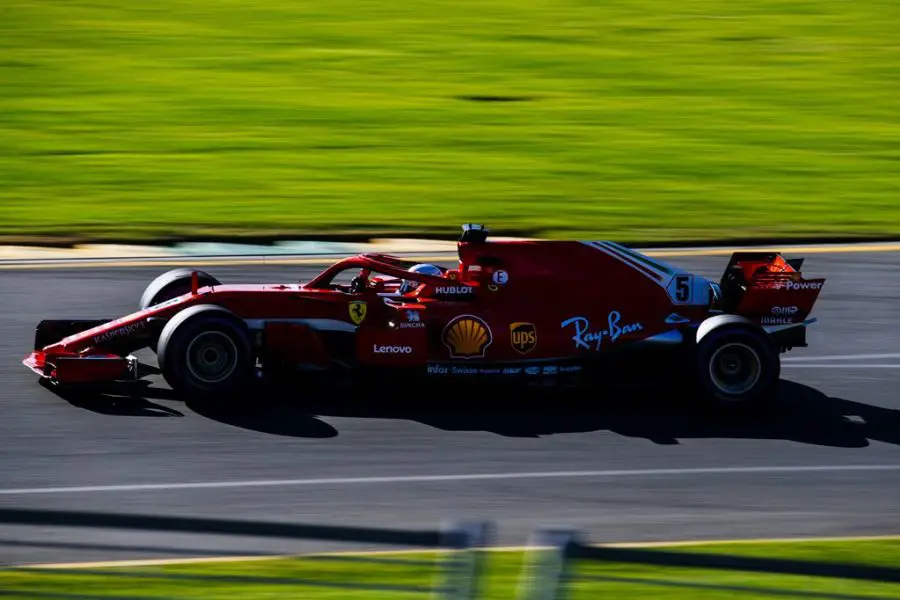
{"x":509,"y":311}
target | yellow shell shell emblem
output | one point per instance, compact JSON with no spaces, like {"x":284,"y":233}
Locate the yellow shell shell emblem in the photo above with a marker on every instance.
{"x":467,"y":336}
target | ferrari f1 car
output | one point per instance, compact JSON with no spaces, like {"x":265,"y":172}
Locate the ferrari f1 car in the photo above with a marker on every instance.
{"x":508,"y":311}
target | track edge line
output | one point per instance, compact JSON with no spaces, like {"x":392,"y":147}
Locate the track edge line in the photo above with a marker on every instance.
{"x":255,"y":557}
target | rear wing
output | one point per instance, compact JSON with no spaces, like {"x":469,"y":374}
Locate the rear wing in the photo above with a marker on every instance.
{"x":766,"y":287}
{"x":749,"y":263}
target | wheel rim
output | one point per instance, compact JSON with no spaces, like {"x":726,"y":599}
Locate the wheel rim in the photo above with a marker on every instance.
{"x":735,"y":369}
{"x":212,"y":357}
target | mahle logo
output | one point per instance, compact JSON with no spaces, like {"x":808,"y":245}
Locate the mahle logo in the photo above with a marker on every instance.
{"x":523,"y":337}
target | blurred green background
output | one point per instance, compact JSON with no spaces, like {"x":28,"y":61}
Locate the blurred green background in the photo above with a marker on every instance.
{"x":623,"y":119}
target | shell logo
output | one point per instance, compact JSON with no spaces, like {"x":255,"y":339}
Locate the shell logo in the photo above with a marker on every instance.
{"x":467,"y":336}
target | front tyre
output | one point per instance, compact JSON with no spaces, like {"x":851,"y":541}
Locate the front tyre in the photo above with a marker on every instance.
{"x":205,"y":353}
{"x":737,"y":368}
{"x":172,"y":284}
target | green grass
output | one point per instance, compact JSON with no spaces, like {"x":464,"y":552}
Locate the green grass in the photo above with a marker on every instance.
{"x":624,"y":119}
{"x":504,"y":570}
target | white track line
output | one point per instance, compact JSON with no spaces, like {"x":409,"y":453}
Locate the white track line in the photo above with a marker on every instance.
{"x":808,"y":366}
{"x":435,"y":256}
{"x":450,"y":478}
{"x":839,"y":357}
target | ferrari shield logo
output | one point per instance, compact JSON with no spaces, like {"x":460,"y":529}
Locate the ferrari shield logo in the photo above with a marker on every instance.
{"x":357,"y":311}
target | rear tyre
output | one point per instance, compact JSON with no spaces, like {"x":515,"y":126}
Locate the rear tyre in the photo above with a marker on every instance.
{"x":205,"y":353}
{"x":737,"y":368}
{"x":173,"y":284}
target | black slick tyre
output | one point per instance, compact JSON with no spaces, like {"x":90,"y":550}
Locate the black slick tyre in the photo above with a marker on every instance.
{"x":737,"y":368}
{"x":205,"y":353}
{"x":172,"y":284}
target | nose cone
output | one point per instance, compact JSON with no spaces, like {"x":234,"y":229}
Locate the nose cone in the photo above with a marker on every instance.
{"x":36,"y":361}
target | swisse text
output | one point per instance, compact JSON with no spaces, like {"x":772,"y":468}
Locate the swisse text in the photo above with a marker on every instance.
{"x":453,"y":290}
{"x":391,"y":349}
{"x":803,"y":285}
{"x":785,"y":310}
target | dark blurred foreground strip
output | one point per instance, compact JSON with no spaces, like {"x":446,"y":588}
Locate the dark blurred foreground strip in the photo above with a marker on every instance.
{"x":16,"y":516}
{"x":778,"y":566}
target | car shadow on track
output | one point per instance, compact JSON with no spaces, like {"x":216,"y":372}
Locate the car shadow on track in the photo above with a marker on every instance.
{"x":800,"y":414}
{"x":123,"y":403}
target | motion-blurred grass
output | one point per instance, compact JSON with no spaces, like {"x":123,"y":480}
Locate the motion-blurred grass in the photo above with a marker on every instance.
{"x":503,"y":577}
{"x":628,"y":119}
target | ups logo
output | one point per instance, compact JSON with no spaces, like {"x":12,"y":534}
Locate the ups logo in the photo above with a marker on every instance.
{"x":523,"y":337}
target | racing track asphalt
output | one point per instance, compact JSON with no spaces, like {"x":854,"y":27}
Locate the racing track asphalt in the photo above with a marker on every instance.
{"x":826,"y":463}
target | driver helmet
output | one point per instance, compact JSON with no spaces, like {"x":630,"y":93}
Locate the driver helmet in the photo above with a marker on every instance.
{"x":408,"y":285}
